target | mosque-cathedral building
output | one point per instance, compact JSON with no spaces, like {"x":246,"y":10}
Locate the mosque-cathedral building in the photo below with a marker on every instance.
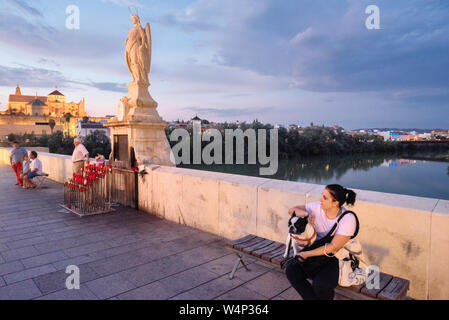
{"x":31,"y":114}
{"x":53,"y":105}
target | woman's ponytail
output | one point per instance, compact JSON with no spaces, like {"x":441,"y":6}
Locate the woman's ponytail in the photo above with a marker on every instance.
{"x":350,"y":197}
{"x":341,"y":194}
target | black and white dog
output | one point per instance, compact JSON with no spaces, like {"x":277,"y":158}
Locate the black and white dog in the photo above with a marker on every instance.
{"x":301,"y":234}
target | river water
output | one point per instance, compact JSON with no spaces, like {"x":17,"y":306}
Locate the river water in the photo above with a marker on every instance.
{"x":390,"y":174}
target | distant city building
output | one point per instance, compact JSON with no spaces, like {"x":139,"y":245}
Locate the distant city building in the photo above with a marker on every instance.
{"x":395,"y":135}
{"x":440,"y":133}
{"x":52,"y":105}
{"x":425,"y":136}
{"x":83,"y":129}
{"x":32,"y":114}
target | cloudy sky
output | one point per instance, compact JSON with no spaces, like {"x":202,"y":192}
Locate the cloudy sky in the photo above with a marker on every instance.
{"x":289,"y":61}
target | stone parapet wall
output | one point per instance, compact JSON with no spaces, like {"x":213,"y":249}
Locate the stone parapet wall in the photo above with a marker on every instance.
{"x":58,"y":166}
{"x":404,"y":235}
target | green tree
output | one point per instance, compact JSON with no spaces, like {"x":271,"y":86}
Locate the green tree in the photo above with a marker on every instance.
{"x":97,"y":142}
{"x":51,"y":124}
{"x":67,"y":118}
{"x":11,"y":137}
{"x":57,"y":143}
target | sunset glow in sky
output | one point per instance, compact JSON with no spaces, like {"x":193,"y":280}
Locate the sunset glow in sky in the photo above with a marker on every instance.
{"x":289,"y":61}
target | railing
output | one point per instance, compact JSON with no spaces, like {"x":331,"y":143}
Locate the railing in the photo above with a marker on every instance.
{"x":124,"y":187}
{"x":89,"y":192}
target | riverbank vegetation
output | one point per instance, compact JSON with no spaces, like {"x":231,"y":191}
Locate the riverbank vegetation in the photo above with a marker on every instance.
{"x":306,"y":142}
{"x":322,"y":141}
{"x":96,"y":142}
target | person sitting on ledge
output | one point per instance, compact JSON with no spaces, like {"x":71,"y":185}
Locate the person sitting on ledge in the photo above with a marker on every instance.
{"x":317,"y":262}
{"x":26,"y":162}
{"x":99,"y":159}
{"x":35,"y":170}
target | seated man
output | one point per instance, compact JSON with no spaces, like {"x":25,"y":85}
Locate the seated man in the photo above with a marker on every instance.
{"x":26,"y":162}
{"x":36,"y":170}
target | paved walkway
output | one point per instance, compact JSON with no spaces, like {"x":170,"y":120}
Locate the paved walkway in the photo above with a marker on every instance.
{"x":126,"y":254}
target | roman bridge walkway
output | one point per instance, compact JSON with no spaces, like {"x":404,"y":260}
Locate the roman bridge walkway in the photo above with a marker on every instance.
{"x":126,"y":254}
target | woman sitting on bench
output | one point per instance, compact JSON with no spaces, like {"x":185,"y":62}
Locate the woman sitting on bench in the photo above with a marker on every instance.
{"x":35,"y":170}
{"x":317,"y":261}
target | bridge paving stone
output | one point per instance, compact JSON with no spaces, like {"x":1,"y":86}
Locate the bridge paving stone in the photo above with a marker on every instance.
{"x":56,"y":281}
{"x":24,"y":290}
{"x":44,"y":259}
{"x":152,"y":291}
{"x":28,"y":273}
{"x":110,"y":286}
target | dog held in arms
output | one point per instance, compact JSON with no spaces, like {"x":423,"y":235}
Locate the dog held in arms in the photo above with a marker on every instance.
{"x":301,"y":234}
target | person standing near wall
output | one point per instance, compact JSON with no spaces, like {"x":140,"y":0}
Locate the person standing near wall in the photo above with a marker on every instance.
{"x":15,"y":159}
{"x":78,"y":155}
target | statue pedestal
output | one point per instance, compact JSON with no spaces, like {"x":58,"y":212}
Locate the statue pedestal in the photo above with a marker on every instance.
{"x":139,"y":96}
{"x":148,"y":140}
{"x":139,"y":123}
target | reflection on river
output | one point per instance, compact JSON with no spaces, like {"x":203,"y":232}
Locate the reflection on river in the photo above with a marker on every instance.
{"x":381,"y":173}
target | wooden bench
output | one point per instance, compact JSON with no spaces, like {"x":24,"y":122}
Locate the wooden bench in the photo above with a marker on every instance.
{"x":271,"y":252}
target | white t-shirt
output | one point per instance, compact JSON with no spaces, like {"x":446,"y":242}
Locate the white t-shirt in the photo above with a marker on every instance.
{"x":79,"y":153}
{"x":323,"y":225}
{"x":36,"y":163}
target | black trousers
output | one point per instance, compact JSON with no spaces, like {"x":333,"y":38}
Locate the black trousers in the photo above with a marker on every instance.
{"x":324,"y":282}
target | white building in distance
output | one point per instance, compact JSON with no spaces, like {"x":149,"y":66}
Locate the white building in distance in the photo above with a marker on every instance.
{"x":83,"y":129}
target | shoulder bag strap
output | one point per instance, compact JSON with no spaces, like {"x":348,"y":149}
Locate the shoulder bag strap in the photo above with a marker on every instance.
{"x":357,"y":224}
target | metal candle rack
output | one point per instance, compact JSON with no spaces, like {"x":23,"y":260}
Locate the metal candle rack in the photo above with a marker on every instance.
{"x":89,"y":192}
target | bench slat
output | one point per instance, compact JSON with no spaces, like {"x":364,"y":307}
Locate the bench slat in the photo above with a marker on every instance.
{"x":268,"y":256}
{"x":395,"y":290}
{"x":383,"y":282}
{"x":231,"y":244}
{"x":272,"y":247}
{"x":259,"y":245}
{"x":249,"y":243}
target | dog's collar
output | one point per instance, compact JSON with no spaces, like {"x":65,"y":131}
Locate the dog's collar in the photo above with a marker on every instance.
{"x":308,"y":240}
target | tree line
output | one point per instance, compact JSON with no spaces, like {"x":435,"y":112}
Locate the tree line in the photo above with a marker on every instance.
{"x":311,"y":141}
{"x":95,"y":142}
{"x":321,"y":140}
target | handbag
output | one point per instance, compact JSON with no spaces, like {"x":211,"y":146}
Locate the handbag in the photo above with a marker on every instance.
{"x":353,"y":265}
